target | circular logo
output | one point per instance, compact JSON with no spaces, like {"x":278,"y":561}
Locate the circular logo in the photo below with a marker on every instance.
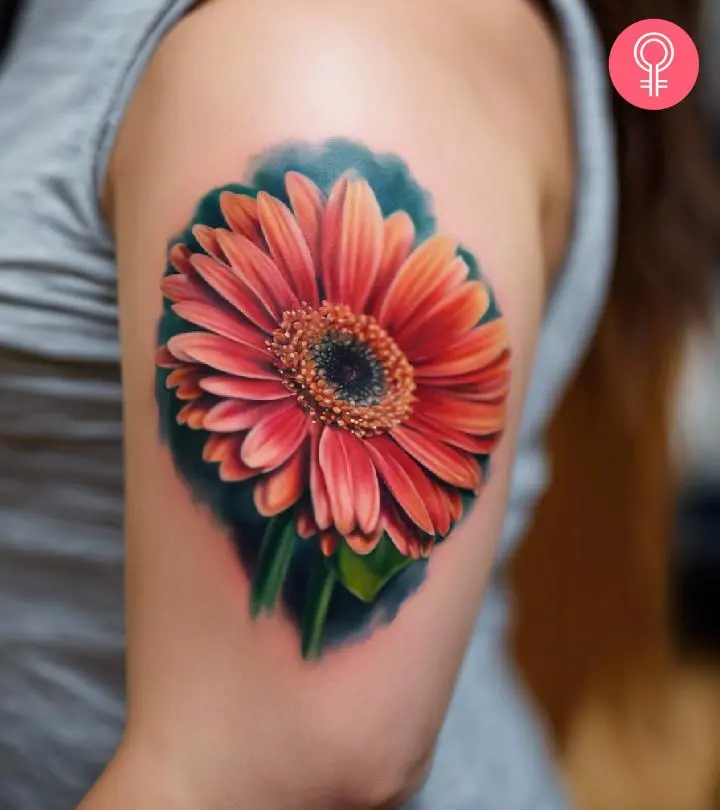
{"x":654,"y":64}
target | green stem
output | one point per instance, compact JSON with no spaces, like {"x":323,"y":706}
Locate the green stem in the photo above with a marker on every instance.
{"x":275,"y":555}
{"x":316,"y":609}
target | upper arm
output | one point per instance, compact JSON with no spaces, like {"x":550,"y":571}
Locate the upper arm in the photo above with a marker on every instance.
{"x":357,"y":450}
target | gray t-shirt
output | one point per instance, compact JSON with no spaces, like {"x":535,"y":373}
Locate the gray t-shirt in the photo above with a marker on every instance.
{"x":63,"y":90}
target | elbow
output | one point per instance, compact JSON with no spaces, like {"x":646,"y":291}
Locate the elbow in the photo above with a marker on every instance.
{"x":379,"y":749}
{"x":368,"y":776}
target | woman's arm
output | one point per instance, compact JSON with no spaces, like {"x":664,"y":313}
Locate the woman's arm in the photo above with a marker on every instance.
{"x":304,"y":452}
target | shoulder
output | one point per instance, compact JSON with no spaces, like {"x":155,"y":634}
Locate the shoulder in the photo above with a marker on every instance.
{"x":463,"y":76}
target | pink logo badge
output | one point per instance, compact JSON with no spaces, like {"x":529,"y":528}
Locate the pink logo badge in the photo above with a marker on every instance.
{"x":654,"y":64}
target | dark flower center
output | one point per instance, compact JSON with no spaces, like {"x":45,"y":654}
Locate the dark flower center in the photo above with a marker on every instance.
{"x":344,"y":368}
{"x":350,"y":368}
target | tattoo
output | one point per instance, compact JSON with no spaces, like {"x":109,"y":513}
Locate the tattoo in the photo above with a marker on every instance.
{"x":332,"y":378}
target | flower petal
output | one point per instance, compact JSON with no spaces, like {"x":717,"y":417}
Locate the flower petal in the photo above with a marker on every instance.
{"x":404,"y":535}
{"x":179,"y":257}
{"x":444,"y":284}
{"x":177,"y":343}
{"x":398,"y":240}
{"x":428,"y":490}
{"x":431,"y":493}
{"x":220,"y":354}
{"x":363,"y":543}
{"x":281,"y":489}
{"x":275,"y":437}
{"x":219,"y":322}
{"x":216,"y":448}
{"x":233,"y":415}
{"x":233,"y":290}
{"x":351,"y":483}
{"x":189,"y":389}
{"x":400,"y":484}
{"x":439,"y":508}
{"x":456,"y":504}
{"x":333,"y":279}
{"x":308,"y":205}
{"x":193,"y":414}
{"x":426,"y":546}
{"x":164,"y":359}
{"x":472,"y":352}
{"x":187,"y":382}
{"x":207,"y":239}
{"x":329,"y":542}
{"x":450,"y":465}
{"x":318,"y":489}
{"x":256,"y":269}
{"x":232,"y":468}
{"x":446,"y":322}
{"x":488,"y":382}
{"x":366,"y":491}
{"x":178,"y":375}
{"x":243,"y":388}
{"x":352,"y":243}
{"x":362,"y":490}
{"x":178,"y":288}
{"x":338,"y":477}
{"x":471,"y":416}
{"x":288,"y":247}
{"x":241,"y":214}
{"x":414,"y":276}
{"x":305,"y":523}
{"x":477,"y":445}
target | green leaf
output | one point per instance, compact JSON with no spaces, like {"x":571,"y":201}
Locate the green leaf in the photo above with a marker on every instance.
{"x":275,"y":554}
{"x":366,"y":575}
{"x":315,"y":612}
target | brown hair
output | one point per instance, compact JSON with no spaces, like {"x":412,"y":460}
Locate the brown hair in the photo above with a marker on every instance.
{"x":591,"y":582}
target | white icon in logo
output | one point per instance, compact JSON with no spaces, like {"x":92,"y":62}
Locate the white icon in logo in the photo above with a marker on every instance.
{"x":655,"y":66}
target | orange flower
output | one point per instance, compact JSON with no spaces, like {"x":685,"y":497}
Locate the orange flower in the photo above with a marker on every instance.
{"x":343,"y":372}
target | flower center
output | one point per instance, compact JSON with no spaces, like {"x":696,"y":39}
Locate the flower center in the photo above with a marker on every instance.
{"x":344,"y":368}
{"x":350,"y":367}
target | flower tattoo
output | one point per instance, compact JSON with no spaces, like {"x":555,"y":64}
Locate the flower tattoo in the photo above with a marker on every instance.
{"x":333,"y":375}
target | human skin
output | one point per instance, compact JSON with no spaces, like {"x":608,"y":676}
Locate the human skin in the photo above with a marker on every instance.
{"x":224,"y":711}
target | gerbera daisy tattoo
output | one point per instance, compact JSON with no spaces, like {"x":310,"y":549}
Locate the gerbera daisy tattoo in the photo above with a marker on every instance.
{"x":332,"y":380}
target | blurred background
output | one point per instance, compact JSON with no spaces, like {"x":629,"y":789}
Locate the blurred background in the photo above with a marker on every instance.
{"x":621,"y":649}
